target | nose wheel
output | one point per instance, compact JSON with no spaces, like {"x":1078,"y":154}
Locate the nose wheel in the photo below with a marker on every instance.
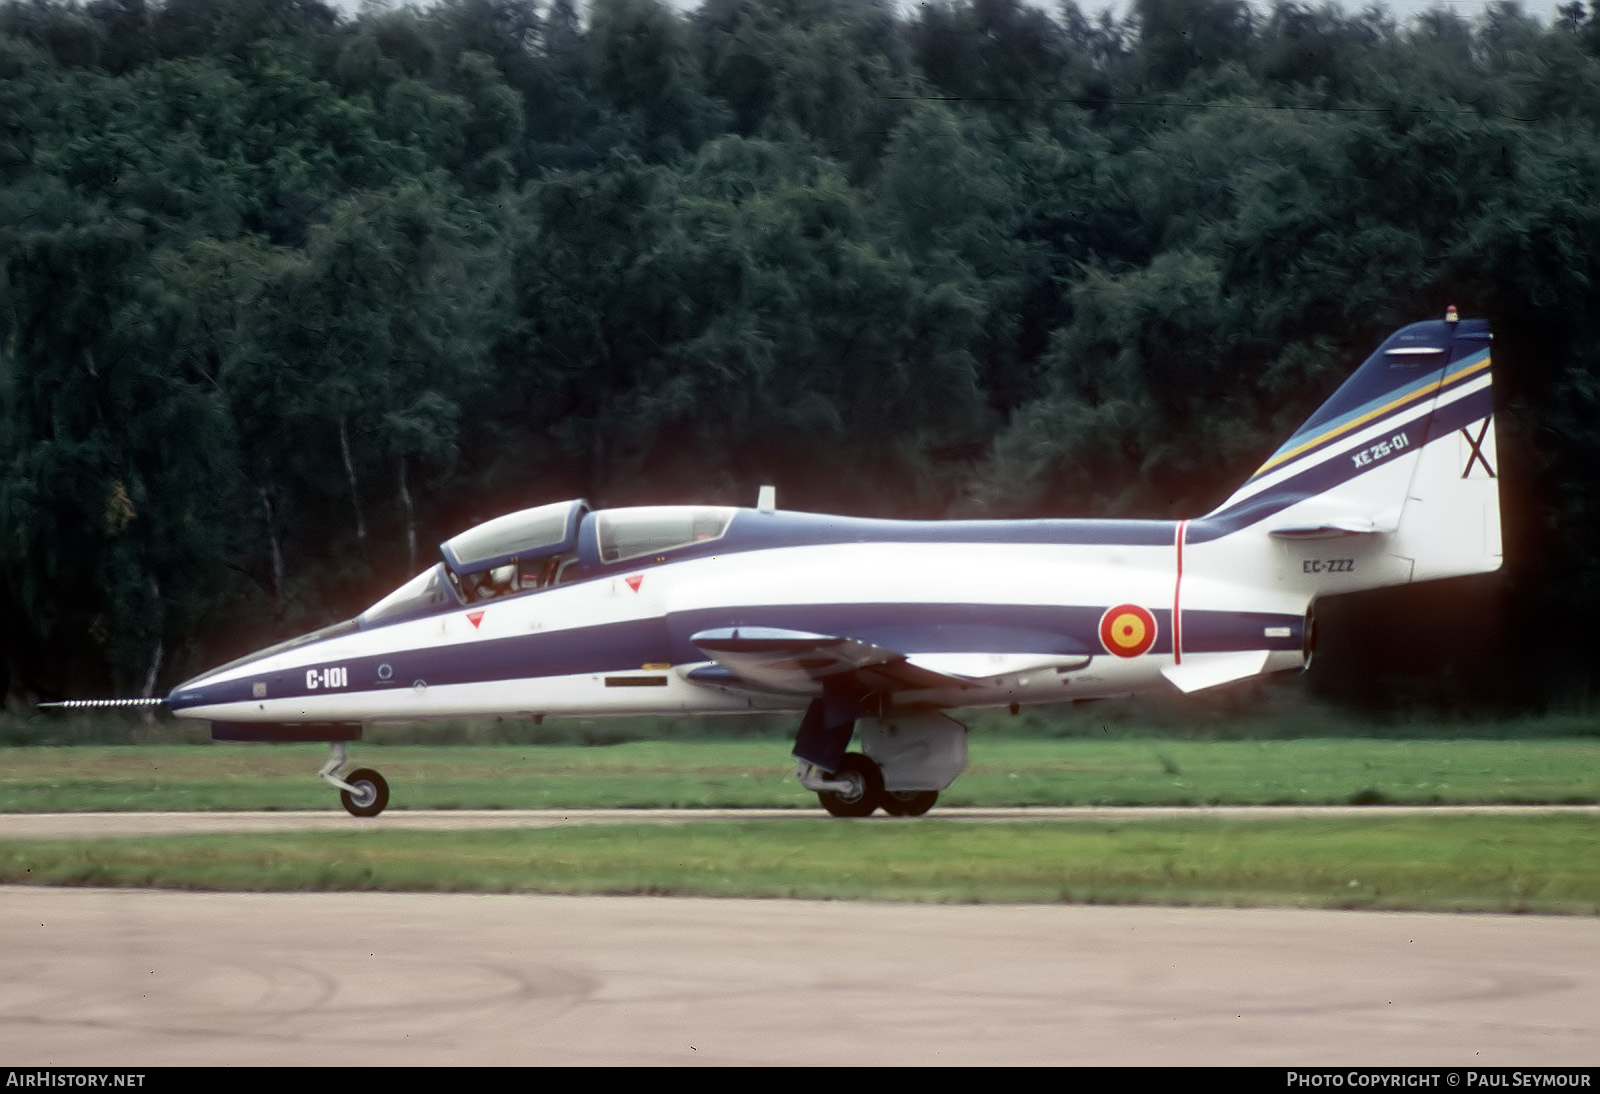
{"x":368,"y":793}
{"x":363,"y":792}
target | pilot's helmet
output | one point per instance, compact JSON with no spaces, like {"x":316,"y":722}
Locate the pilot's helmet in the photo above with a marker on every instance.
{"x":501,"y":575}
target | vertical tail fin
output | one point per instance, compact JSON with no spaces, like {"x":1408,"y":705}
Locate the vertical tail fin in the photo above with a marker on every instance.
{"x":1401,"y":458}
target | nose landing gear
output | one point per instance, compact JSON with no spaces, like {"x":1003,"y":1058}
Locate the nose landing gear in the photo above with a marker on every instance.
{"x":363,"y":791}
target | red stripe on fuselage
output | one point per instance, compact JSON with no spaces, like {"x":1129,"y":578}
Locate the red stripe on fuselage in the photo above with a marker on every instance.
{"x":1177,"y":595}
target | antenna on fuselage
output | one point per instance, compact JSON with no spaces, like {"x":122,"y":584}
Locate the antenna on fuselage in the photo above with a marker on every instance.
{"x":767,"y":499}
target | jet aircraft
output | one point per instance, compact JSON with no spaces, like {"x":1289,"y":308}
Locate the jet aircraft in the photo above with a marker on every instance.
{"x":873,"y":629}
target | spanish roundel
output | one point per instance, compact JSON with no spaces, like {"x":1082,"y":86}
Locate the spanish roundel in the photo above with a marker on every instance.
{"x":1127,"y":630}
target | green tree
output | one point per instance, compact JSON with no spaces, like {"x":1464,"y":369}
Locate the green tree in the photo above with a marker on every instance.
{"x":641,"y":64}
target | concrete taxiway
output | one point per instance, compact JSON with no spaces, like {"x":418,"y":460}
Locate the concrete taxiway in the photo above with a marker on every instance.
{"x":130,"y":978}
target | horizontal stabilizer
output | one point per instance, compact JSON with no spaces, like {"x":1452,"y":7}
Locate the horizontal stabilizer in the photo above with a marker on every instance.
{"x":1329,"y":529}
{"x":1206,"y":670}
{"x":1320,"y":520}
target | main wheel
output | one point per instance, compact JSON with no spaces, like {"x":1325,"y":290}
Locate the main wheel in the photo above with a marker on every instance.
{"x":908,"y":803}
{"x":371,"y":793}
{"x":866,"y":788}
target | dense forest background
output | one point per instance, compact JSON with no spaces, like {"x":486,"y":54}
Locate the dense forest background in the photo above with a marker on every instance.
{"x":288,"y":295}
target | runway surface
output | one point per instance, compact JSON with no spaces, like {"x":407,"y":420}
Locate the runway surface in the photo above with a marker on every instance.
{"x":139,"y":978}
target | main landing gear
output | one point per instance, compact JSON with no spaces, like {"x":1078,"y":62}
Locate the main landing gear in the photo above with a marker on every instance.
{"x":363,"y":791}
{"x":906,"y":758}
{"x":908,"y":803}
{"x":856,"y":789}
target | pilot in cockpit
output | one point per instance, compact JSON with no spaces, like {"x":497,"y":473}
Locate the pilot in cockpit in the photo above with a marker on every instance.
{"x":500,"y":579}
{"x":497,"y":582}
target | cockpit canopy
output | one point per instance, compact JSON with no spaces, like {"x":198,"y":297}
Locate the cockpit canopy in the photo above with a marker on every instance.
{"x":529,"y":533}
{"x":535,"y":548}
{"x":624,"y":534}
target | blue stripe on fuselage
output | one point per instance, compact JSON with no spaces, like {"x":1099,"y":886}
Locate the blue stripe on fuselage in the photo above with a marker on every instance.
{"x":903,"y":628}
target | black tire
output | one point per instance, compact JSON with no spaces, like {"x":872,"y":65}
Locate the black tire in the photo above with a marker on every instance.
{"x":372,"y":793}
{"x":866,"y":793}
{"x":908,"y":803}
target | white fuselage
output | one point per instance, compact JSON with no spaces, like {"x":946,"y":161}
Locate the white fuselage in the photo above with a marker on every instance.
{"x":1016,"y":620}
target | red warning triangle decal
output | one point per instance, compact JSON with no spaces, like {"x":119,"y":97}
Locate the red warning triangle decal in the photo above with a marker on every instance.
{"x":475,"y":618}
{"x":634,"y":581}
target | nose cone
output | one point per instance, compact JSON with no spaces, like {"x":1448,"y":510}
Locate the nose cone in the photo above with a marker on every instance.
{"x":213,"y":693}
{"x":229,"y":684}
{"x":191,"y":702}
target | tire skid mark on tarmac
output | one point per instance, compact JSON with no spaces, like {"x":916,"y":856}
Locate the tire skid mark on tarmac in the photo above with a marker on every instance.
{"x":299,"y":1003}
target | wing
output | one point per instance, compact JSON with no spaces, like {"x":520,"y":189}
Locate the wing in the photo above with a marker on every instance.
{"x":800,"y":663}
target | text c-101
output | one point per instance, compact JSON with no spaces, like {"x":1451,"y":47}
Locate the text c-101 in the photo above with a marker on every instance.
{"x":336,"y":677}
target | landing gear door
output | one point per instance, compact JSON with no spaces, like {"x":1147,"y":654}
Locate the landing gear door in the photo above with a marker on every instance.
{"x":923,"y":751}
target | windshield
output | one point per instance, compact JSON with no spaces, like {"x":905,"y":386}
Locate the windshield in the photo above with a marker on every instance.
{"x":423,"y":593}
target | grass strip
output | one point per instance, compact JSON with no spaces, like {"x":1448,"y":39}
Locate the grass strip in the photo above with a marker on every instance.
{"x":742,"y":773}
{"x":1522,"y":864}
